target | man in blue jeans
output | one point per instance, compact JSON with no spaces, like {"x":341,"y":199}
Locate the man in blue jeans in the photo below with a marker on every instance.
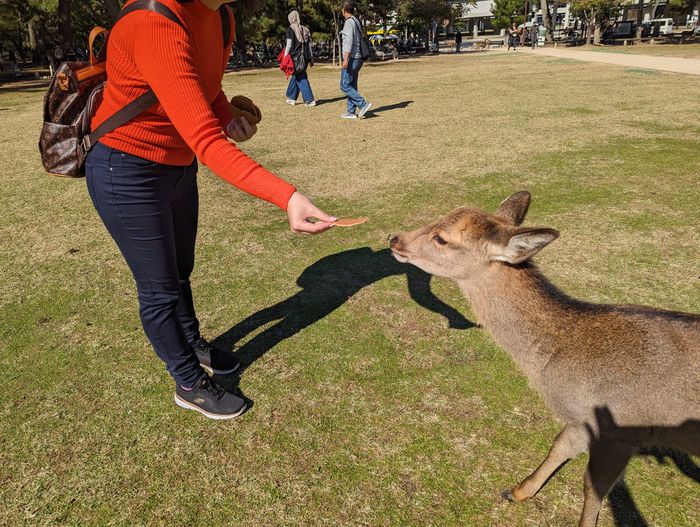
{"x":352,"y":62}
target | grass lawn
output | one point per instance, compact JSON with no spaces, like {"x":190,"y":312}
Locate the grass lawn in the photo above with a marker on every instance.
{"x":369,"y":409}
{"x":686,"y":51}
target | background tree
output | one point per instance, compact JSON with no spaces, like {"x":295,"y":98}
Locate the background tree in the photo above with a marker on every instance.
{"x":547,"y":21}
{"x":427,"y":11}
{"x":380,"y":10}
{"x":503,"y":13}
{"x":597,"y":14}
{"x":112,"y":7}
{"x":64,"y":22}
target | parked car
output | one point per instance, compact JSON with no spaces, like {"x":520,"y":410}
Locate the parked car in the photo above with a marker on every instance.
{"x":665,"y":25}
{"x":619,"y":30}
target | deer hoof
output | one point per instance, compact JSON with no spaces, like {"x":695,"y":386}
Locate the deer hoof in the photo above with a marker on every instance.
{"x":508,"y":496}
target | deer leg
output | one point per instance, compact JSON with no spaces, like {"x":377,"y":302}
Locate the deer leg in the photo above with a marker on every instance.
{"x":607,"y":461}
{"x":570,"y":442}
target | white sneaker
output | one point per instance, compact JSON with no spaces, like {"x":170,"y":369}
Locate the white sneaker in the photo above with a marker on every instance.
{"x":364,"y":109}
{"x":291,"y":102}
{"x":312,"y":103}
{"x":348,"y":115}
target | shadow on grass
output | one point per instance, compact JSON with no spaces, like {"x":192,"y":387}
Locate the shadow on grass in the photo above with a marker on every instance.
{"x":624,"y":509}
{"x":386,"y":108}
{"x":622,"y":505}
{"x":326,"y":285}
{"x":33,"y":86}
{"x":319,"y":102}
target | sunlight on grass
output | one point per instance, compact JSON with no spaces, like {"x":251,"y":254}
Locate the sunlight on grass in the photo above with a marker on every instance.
{"x":378,"y":413}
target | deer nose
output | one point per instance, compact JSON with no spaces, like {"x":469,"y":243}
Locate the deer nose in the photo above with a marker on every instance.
{"x":394,"y":241}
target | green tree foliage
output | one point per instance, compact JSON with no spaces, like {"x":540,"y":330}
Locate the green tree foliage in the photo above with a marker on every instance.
{"x":505,"y":12}
{"x":40,"y":25}
{"x":677,"y":8}
{"x":422,"y":13}
{"x":37,"y":26}
{"x":597,"y":14}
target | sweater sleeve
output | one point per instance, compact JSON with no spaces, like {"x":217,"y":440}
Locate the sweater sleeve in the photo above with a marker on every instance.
{"x":221,"y":108}
{"x":164,"y":56}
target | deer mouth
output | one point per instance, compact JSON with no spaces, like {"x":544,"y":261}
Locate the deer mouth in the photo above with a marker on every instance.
{"x":399,"y":256}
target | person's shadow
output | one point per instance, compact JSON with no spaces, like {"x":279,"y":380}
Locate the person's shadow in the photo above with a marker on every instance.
{"x":326,"y":285}
{"x":373,"y":112}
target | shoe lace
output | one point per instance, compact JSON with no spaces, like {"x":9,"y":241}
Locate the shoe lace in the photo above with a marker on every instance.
{"x":213,"y":388}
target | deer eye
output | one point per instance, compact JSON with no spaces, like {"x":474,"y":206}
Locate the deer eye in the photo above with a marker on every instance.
{"x":440,"y":240}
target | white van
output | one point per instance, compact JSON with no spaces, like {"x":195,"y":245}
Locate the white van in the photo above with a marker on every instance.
{"x":665,"y":25}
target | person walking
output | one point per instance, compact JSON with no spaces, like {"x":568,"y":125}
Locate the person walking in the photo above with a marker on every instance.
{"x":299,"y":47}
{"x":142,"y":177}
{"x":458,"y":41}
{"x":533,"y":34}
{"x":352,"y":63}
{"x":513,"y":37}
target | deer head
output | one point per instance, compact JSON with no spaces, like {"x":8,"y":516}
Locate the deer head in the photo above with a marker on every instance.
{"x":469,"y":241}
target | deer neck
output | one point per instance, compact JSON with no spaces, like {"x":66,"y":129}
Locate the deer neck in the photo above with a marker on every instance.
{"x":523,"y":312}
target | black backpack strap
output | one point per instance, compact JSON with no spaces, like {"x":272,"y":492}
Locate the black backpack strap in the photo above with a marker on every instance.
{"x":151,"y":5}
{"x":148,"y":99}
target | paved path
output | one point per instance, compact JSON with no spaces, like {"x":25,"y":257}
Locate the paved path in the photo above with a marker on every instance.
{"x":630,"y":60}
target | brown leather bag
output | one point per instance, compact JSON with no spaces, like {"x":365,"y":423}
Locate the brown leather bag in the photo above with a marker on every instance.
{"x":75,"y":93}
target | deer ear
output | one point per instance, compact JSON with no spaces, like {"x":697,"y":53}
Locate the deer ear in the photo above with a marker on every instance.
{"x":515,"y":207}
{"x":523,"y":244}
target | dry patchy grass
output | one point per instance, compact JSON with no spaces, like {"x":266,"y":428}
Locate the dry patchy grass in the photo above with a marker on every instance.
{"x":685,"y":51}
{"x":380,"y":413}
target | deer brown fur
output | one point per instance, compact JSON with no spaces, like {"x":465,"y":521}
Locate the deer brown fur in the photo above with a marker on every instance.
{"x":621,"y":377}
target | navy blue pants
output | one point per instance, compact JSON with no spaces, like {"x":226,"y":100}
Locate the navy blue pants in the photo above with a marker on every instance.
{"x":151,"y":210}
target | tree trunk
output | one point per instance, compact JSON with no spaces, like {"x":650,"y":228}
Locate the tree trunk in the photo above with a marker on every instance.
{"x":240,"y":37}
{"x":33,"y":42}
{"x":64,"y":23}
{"x":112,"y":7}
{"x":596,"y":35}
{"x":546,"y":20}
{"x":653,"y":10}
{"x":640,"y":17}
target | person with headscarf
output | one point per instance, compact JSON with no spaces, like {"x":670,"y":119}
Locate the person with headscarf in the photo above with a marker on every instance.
{"x":299,"y":47}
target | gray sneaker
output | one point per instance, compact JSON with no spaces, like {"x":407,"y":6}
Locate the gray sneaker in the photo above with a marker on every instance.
{"x":214,"y":360}
{"x":210,"y":400}
{"x":364,"y":109}
{"x":348,"y":115}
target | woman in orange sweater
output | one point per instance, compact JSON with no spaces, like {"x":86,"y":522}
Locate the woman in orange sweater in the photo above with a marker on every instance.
{"x":142,"y":178}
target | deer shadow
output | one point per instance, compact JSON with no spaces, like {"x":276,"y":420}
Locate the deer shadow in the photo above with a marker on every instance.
{"x":622,"y":505}
{"x":326,"y":285}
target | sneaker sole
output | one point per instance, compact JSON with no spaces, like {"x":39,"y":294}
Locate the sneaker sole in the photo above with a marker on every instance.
{"x":189,"y":406}
{"x":213,"y":371}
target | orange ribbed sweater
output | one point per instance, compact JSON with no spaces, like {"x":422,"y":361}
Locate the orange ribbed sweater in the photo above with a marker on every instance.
{"x":184,"y":69}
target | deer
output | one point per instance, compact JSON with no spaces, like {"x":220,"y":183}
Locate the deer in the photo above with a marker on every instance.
{"x":622,"y":378}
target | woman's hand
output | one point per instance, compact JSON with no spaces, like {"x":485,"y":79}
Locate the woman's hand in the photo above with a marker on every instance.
{"x":241,"y":130}
{"x":300,"y":210}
